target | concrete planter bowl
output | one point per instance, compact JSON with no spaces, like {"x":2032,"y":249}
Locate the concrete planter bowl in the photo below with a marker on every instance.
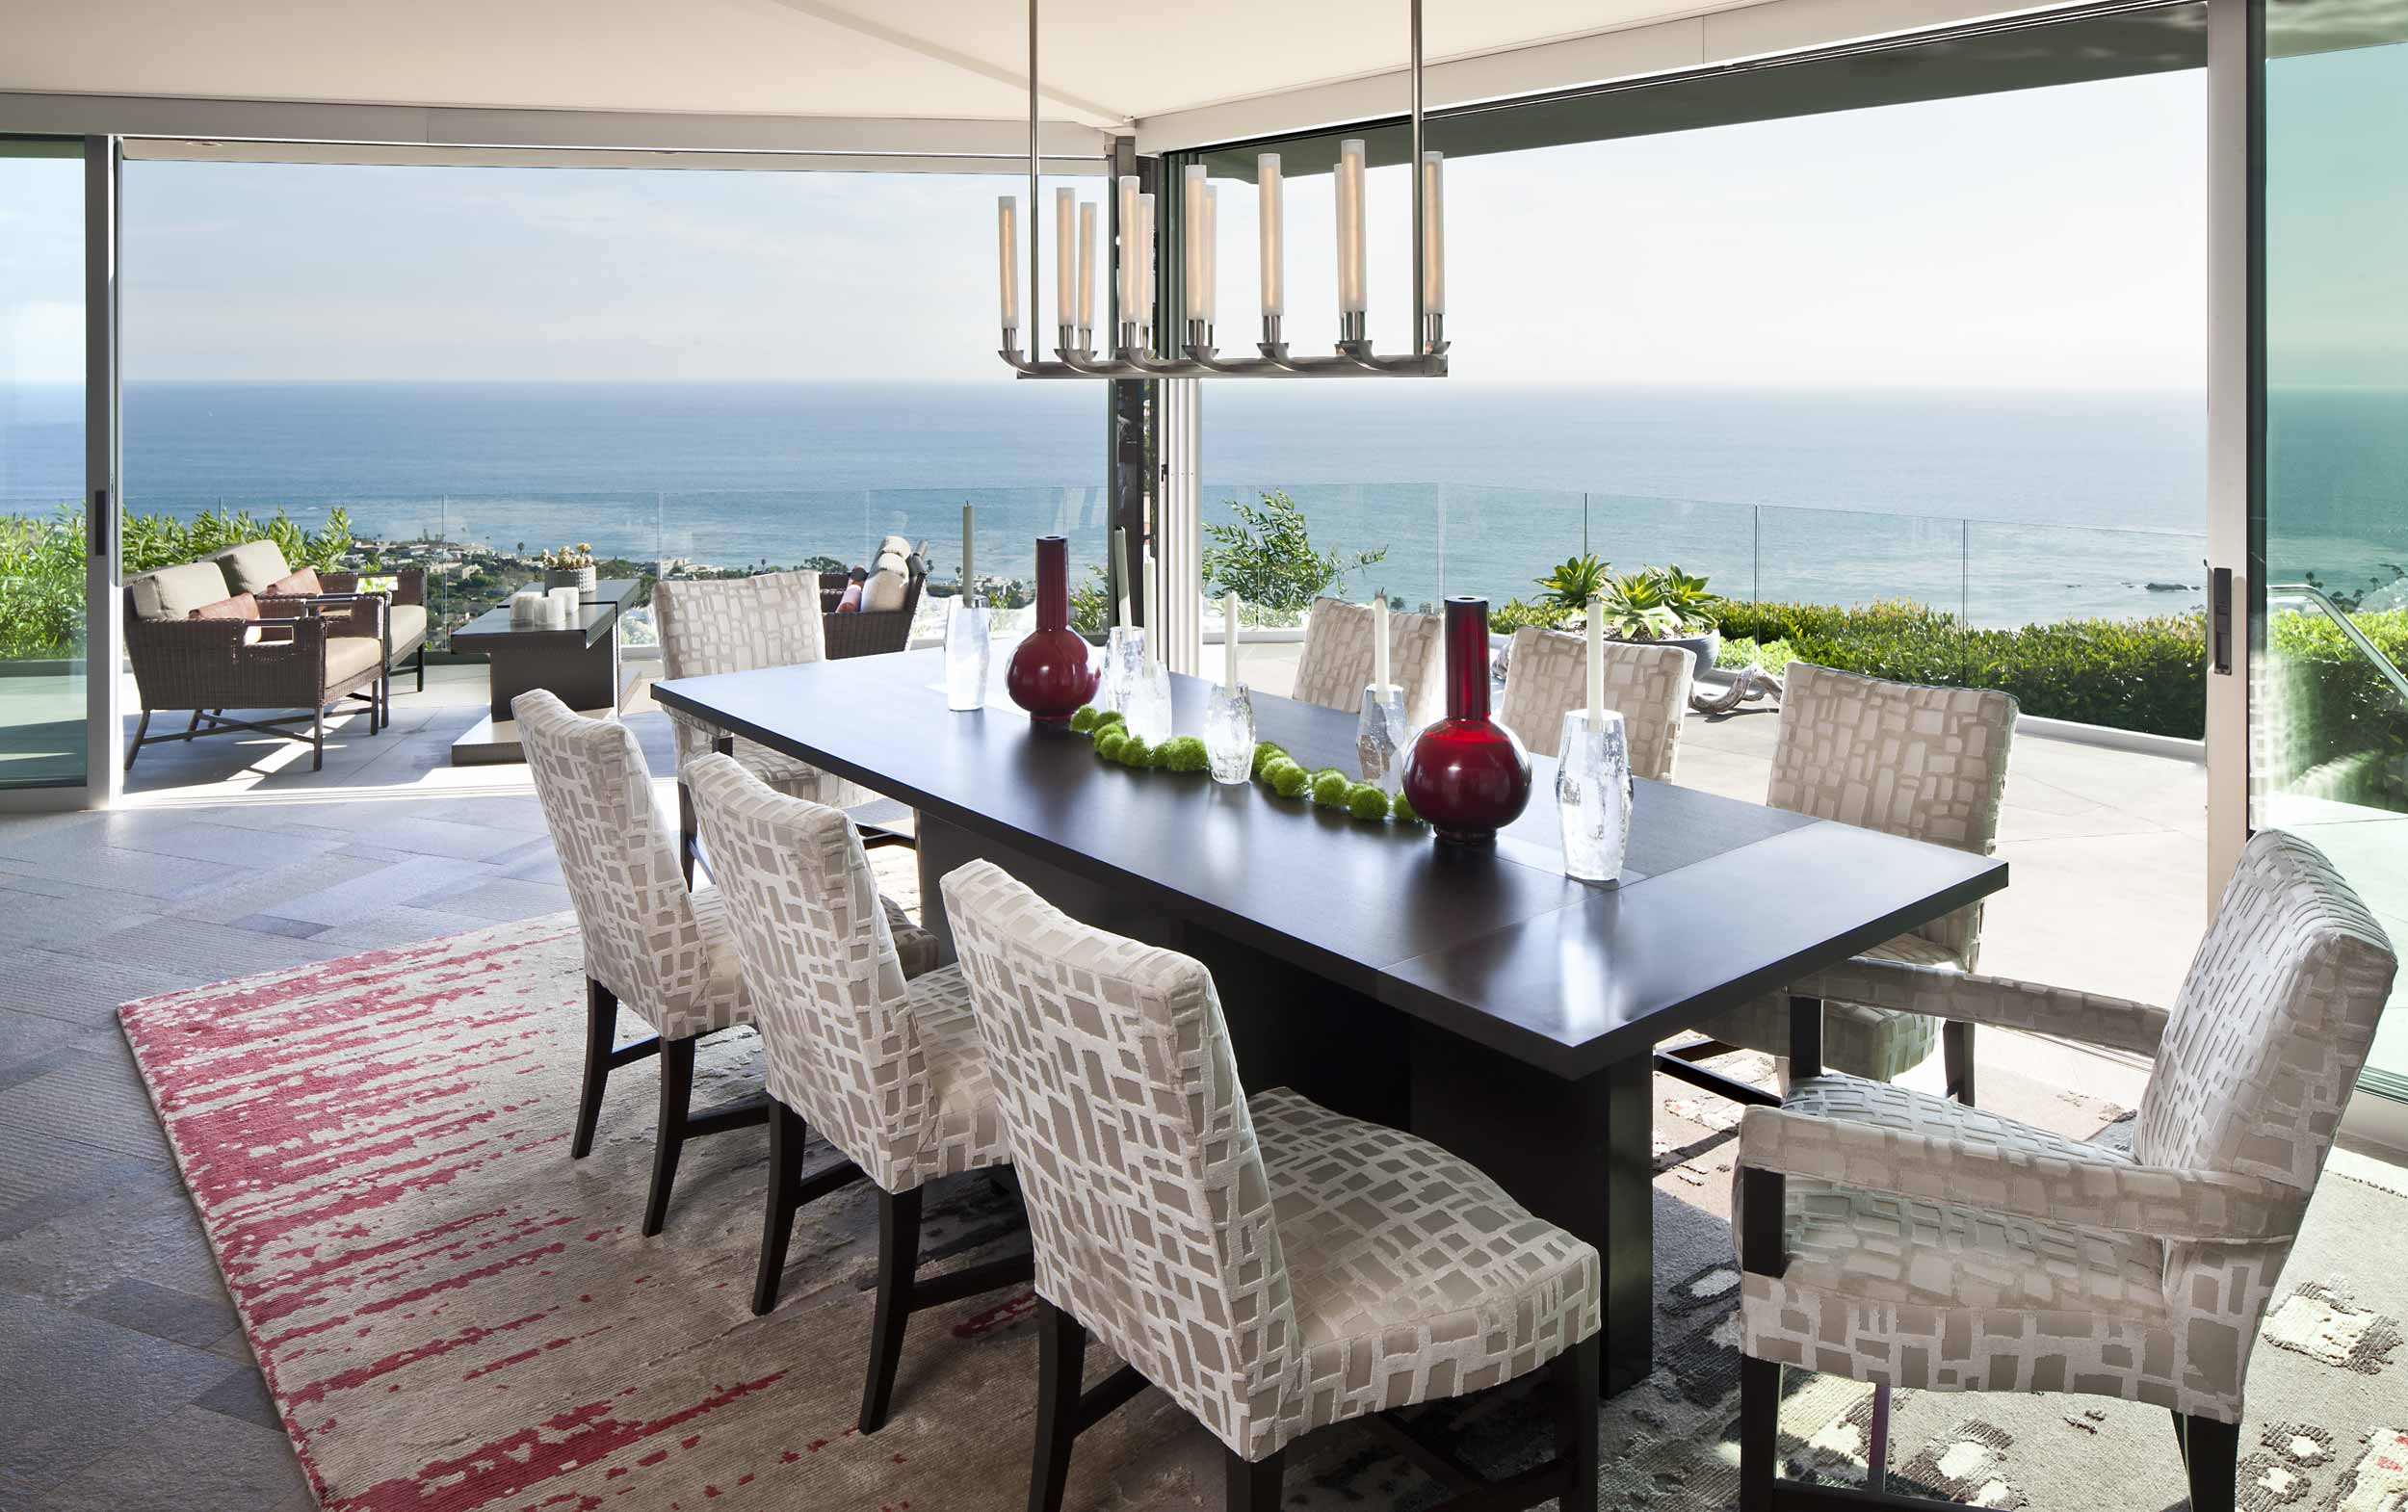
{"x":1700,"y":647}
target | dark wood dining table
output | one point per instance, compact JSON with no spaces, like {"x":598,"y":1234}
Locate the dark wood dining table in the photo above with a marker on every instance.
{"x":1474,"y":995}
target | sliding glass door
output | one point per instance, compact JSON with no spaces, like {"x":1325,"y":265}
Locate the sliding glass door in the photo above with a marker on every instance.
{"x":2328,"y":727}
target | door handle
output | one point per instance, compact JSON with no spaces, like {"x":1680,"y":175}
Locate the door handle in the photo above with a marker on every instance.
{"x":2220,"y":621}
{"x":99,"y":522}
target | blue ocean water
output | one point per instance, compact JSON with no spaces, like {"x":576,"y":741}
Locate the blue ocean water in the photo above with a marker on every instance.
{"x":2007,"y":506}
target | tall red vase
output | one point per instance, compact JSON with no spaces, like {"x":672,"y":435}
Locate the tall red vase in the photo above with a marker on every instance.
{"x":1467,"y":775}
{"x":1050,"y":674}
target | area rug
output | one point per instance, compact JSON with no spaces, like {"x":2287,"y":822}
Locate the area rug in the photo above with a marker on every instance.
{"x":452,"y":1315}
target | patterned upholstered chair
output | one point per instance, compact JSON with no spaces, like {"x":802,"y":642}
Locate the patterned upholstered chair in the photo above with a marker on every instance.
{"x":883,"y":1060}
{"x":1894,"y":1237}
{"x":650,"y":944}
{"x":1926,"y":763}
{"x":1336,"y":665}
{"x":1273,"y":1265}
{"x":739,"y":625}
{"x":1547,"y":677}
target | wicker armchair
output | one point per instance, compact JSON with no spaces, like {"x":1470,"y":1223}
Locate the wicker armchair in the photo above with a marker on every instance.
{"x":310,"y":655}
{"x":865,"y":633}
{"x":259,"y":567}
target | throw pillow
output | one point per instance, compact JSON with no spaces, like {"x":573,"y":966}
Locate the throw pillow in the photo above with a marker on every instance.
{"x":886,"y":590}
{"x":300,"y":585}
{"x":242,"y":606}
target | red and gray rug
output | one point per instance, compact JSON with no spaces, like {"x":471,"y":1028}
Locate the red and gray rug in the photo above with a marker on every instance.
{"x":453,"y":1314}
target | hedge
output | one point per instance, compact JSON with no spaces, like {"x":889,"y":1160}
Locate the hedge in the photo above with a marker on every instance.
{"x":2132,"y":674}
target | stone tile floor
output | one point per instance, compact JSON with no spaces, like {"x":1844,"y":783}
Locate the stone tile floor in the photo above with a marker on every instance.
{"x":128,"y":1384}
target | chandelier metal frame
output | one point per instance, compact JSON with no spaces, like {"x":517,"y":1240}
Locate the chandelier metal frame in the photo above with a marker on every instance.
{"x":1133,"y":353}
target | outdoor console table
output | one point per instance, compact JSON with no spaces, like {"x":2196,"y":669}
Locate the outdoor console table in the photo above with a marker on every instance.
{"x":579,"y":666}
{"x":1477,"y":997}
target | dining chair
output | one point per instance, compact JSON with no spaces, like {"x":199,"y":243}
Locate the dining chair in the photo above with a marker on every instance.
{"x":1926,"y":763}
{"x":1894,"y":1237}
{"x":1336,"y":664}
{"x":651,"y":945}
{"x":886,"y":1065}
{"x":1274,"y":1266}
{"x":1547,"y":677}
{"x":715,"y":625}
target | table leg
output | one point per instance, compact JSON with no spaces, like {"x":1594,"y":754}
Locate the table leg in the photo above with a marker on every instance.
{"x":1578,"y":1154}
{"x":581,"y":677}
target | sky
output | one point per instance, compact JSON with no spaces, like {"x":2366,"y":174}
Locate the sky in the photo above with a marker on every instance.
{"x":2041,"y":239}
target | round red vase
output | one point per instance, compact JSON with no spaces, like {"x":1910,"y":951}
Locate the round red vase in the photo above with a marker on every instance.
{"x":1467,"y":775}
{"x":1050,"y":674}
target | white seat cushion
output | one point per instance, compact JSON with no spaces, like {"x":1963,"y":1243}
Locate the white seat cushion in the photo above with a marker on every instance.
{"x":407,"y":624}
{"x":1414,"y":1276}
{"x":966,"y":1131}
{"x":1863,"y":1041}
{"x":723,"y":998}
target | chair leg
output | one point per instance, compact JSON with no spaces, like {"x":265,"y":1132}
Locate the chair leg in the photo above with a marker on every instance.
{"x":141,"y":728}
{"x":1060,"y":1361}
{"x":1877,"y":1440}
{"x":777,"y":1213}
{"x":898,"y":1258}
{"x":668,"y":1141}
{"x":2212,"y":1454}
{"x":1576,"y":1422}
{"x":1253,"y":1486}
{"x":422,"y":666}
{"x":1760,"y":1423}
{"x":318,"y":742}
{"x":601,"y":1029}
{"x":1956,"y":1049}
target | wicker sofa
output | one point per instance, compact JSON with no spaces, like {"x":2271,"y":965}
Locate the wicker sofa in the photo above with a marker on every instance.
{"x":866,"y":633}
{"x":302,"y":652}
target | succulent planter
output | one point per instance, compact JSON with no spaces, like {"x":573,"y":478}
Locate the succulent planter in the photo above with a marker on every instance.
{"x":1703,"y":648}
{"x":581,"y":578}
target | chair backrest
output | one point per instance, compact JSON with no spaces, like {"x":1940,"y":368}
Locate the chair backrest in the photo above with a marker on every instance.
{"x":174,"y":593}
{"x":1903,"y":758}
{"x":1547,"y":677}
{"x":641,"y":939}
{"x":2265,"y":1042}
{"x":820,"y":965}
{"x":254,"y":566}
{"x":738,"y":624}
{"x":1336,"y":665}
{"x":1147,"y":1199}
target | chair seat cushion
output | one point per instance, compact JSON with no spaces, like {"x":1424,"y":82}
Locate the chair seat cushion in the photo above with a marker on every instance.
{"x":794,"y":778}
{"x":722,"y":1002}
{"x":965,"y":1129}
{"x":1413,"y":1275}
{"x":406,"y":625}
{"x":1926,"y":1296}
{"x":914,"y":946}
{"x":349,"y":657}
{"x":1863,"y":1041}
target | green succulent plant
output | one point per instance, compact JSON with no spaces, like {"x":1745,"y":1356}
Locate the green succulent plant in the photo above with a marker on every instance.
{"x":1570,"y":586}
{"x":1366,"y":801}
{"x":1288,"y":779}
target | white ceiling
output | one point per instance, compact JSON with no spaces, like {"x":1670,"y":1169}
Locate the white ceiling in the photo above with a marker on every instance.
{"x":1106,"y":62}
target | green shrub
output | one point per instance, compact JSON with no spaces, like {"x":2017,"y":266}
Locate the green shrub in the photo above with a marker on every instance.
{"x":2132,"y":674}
{"x":1329,"y":788}
{"x":1366,"y":801}
{"x":2332,"y":725}
{"x":1515,"y":613}
{"x":1288,"y":779}
{"x":1266,"y":557}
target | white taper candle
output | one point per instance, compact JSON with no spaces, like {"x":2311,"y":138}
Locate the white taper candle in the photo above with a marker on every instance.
{"x":1192,"y":211}
{"x":1433,"y":236}
{"x":1007,"y":257}
{"x":1379,"y":643}
{"x":1212,"y":252}
{"x":1153,"y":610}
{"x":1272,"y":196}
{"x":1125,"y":281}
{"x":1065,"y":255}
{"x":1229,"y":636}
{"x":969,"y":574}
{"x":1145,"y":260}
{"x":1596,"y":665}
{"x":1087,"y":268}
{"x":1120,"y":572}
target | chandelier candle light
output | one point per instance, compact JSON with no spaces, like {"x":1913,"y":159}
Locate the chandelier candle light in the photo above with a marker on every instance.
{"x":1136,"y":349}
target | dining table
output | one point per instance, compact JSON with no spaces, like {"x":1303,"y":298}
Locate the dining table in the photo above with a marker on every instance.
{"x":1472,"y":994}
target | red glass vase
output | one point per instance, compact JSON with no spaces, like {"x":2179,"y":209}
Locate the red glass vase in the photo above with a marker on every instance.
{"x":1050,"y":674}
{"x":1467,"y":775}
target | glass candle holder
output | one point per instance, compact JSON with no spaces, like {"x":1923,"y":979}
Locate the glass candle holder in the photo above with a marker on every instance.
{"x":1147,"y":708}
{"x":1593,"y":793}
{"x":1124,"y":654}
{"x":1229,"y":734}
{"x":969,"y":646}
{"x":1380,"y":737}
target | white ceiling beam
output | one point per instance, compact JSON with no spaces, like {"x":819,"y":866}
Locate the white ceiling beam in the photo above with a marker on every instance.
{"x":1667,"y":46}
{"x":1092,"y":112}
{"x":205,"y":119}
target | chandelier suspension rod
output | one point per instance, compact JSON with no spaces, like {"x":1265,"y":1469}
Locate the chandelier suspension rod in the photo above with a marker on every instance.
{"x":1036,"y":322}
{"x":1413,"y":169}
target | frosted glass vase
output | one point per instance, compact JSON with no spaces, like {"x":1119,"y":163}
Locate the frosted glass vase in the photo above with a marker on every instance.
{"x":1380,"y":737}
{"x":1593,"y":793}
{"x":969,"y":648}
{"x":1229,"y":734}
{"x":1148,"y":705}
{"x":1124,"y":657}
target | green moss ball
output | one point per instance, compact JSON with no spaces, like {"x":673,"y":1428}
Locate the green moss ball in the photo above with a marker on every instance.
{"x":1288,"y":779}
{"x":1184,"y":753}
{"x":1104,"y":717}
{"x":1365,"y":801}
{"x":1135,"y":752}
{"x":1329,"y":788}
{"x":1403,"y":812}
{"x":1264,"y":753}
{"x":1108,"y":740}
{"x":1082,"y":720}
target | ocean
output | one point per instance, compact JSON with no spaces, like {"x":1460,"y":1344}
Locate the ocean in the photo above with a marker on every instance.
{"x":2008,"y":506}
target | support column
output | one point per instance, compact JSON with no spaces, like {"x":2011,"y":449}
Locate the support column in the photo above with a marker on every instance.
{"x":1128,"y":465}
{"x":1179,"y":524}
{"x":104,"y":501}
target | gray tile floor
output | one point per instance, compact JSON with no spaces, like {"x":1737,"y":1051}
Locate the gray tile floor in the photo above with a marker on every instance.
{"x":127,"y":1382}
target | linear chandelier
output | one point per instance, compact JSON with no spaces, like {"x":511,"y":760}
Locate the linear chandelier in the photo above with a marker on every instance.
{"x":1139,"y":352}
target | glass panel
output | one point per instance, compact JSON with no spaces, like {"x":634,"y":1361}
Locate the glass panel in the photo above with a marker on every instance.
{"x":2329,"y":705}
{"x":42,"y":464}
